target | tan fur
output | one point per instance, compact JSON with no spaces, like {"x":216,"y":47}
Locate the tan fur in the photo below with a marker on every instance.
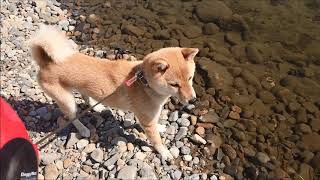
{"x":98,"y":78}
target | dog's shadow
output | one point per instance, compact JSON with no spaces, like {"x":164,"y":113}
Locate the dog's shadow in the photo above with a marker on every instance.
{"x":42,"y":118}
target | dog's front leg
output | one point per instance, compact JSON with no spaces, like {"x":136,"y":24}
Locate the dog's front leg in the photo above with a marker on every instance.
{"x":151,"y":130}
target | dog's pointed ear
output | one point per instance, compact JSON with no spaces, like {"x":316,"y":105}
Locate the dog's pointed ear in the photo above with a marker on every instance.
{"x":189,"y":53}
{"x":159,"y":66}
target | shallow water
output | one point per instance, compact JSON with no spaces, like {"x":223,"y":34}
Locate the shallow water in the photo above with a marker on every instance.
{"x":262,"y":55}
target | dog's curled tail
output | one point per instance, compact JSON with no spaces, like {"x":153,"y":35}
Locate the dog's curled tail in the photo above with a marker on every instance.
{"x":50,"y":44}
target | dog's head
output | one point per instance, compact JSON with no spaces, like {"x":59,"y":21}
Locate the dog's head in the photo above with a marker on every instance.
{"x":170,"y":71}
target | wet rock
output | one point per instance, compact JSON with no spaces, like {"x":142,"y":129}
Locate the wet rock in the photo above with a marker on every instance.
{"x":301,"y":116}
{"x":267,"y":97}
{"x":229,"y":151}
{"x":306,"y":172}
{"x":132,"y":30}
{"x":293,"y":106}
{"x":211,"y":117}
{"x":253,"y":54}
{"x":213,"y":11}
{"x":310,"y":107}
{"x":229,"y":123}
{"x":234,"y":115}
{"x":251,"y":79}
{"x":233,"y":38}
{"x":162,"y":35}
{"x":247,"y":112}
{"x":127,"y":172}
{"x":220,"y":78}
{"x":311,"y":142}
{"x":192,"y":32}
{"x":305,"y":128}
{"x":251,"y":172}
{"x":210,"y":29}
{"x":262,"y":157}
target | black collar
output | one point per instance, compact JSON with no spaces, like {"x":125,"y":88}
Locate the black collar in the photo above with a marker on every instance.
{"x":141,"y":78}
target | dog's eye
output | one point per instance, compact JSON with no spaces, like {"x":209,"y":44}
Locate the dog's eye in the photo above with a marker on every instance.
{"x":190,"y":78}
{"x":176,"y":85}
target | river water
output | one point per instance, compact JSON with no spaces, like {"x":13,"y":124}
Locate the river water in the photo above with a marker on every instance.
{"x":261,"y":55}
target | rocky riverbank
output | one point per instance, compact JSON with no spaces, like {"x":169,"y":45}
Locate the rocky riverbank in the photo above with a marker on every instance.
{"x":258,"y":83}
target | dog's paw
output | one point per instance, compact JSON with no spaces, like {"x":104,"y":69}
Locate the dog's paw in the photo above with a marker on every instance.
{"x":99,"y":108}
{"x":161,"y":128}
{"x":165,"y":153}
{"x":84,"y":132}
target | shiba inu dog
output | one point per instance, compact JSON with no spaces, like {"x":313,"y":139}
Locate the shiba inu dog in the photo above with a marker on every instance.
{"x":138,"y":86}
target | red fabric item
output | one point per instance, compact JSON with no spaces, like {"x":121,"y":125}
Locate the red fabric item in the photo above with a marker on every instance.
{"x":11,"y":126}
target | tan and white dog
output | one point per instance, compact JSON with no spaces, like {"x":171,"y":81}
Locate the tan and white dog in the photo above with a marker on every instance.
{"x":163,"y":73}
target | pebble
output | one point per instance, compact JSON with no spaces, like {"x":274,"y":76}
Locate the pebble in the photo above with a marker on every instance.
{"x":181,"y":133}
{"x":174,"y":116}
{"x":229,"y":151}
{"x":184,"y":122}
{"x":211,"y":117}
{"x":200,"y":130}
{"x":198,"y":139}
{"x":97,"y":155}
{"x":73,"y":139}
{"x":174,"y":151}
{"x":67,"y":163}
{"x":262,"y":157}
{"x":171,"y":130}
{"x":82,"y":143}
{"x":48,"y":158}
{"x":185,"y":150}
{"x":127,"y":172}
{"x":234,"y":115}
{"x":193,"y":120}
{"x":146,"y":149}
{"x":89,"y":148}
{"x":140,"y":156}
{"x":130,"y":147}
{"x":51,"y":172}
{"x":176,"y":174}
{"x":187,"y":157}
{"x":111,"y":161}
{"x":147,"y":172}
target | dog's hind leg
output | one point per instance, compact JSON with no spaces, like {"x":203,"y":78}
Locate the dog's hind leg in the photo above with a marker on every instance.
{"x":66,"y":102}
